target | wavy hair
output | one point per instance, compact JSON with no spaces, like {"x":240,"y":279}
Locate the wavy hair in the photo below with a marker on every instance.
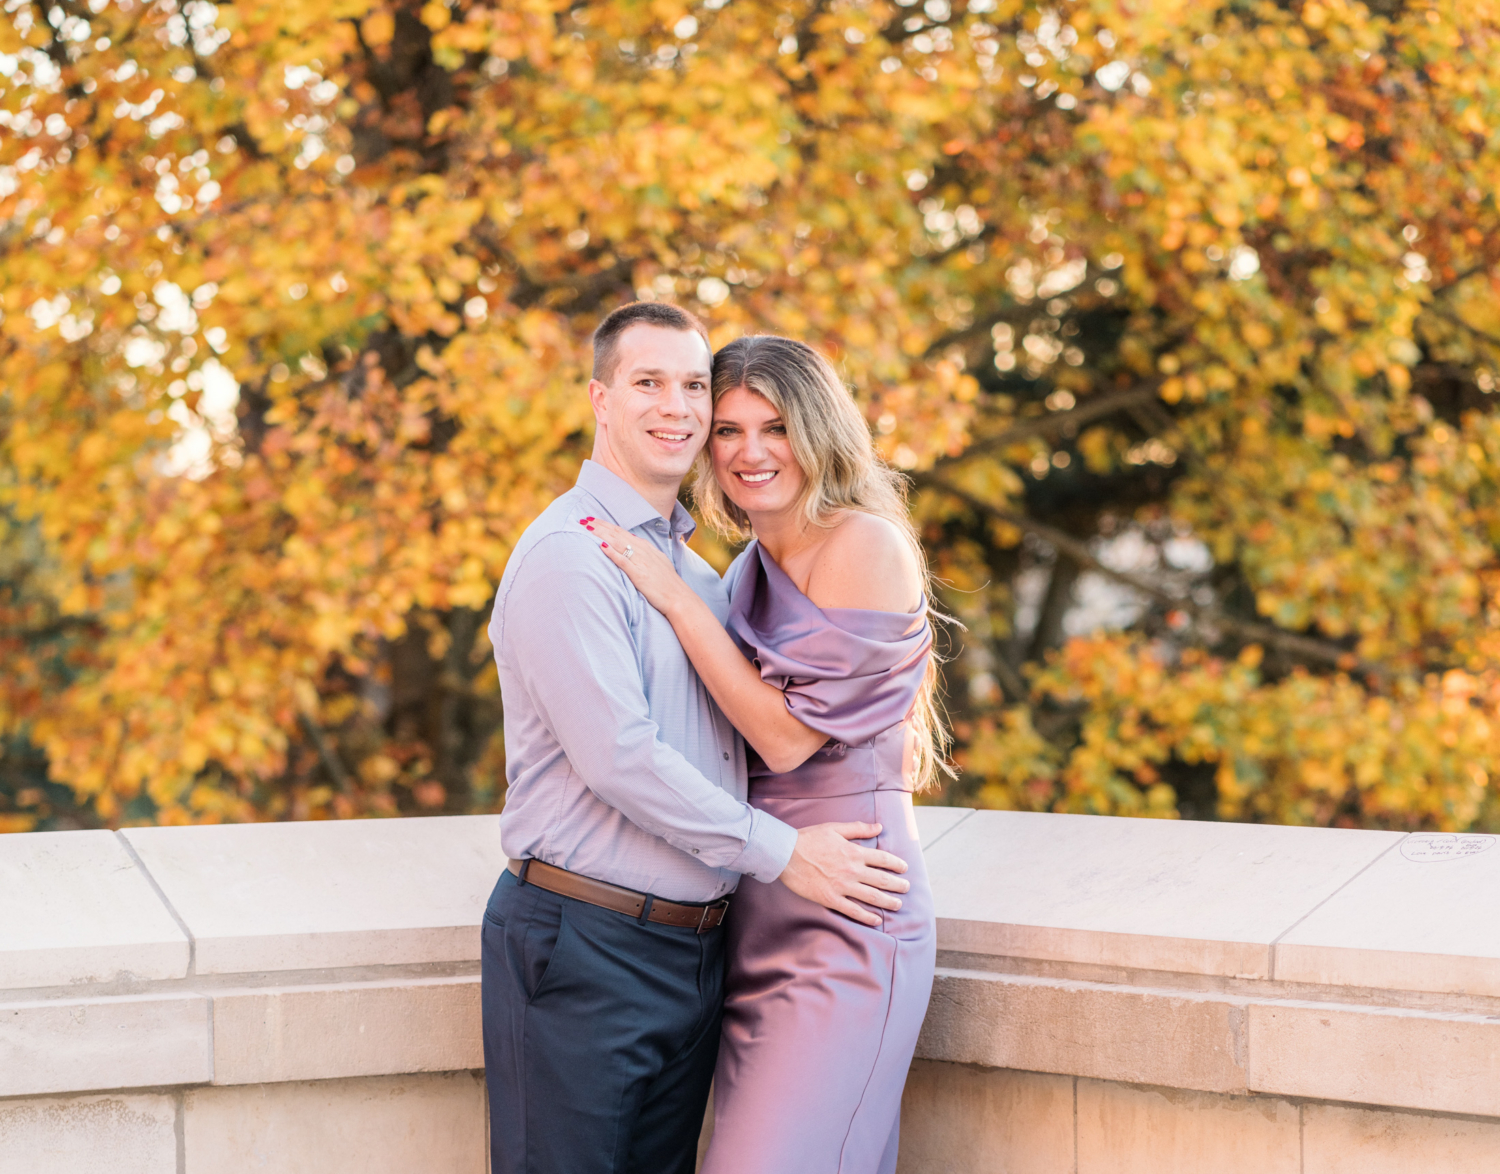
{"x":831,"y":442}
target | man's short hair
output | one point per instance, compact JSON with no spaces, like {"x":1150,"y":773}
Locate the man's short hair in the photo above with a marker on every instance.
{"x":607,"y":336}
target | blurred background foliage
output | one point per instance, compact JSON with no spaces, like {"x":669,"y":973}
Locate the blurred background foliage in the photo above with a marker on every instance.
{"x":1182,"y":318}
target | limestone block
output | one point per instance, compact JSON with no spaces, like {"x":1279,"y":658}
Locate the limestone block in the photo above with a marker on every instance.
{"x":75,"y":909}
{"x":352,"y":1029}
{"x":933,"y":823}
{"x":305,"y":896}
{"x":1200,"y":898}
{"x":1341,"y":1140}
{"x":1377,"y":1056}
{"x":1123,"y":1130}
{"x":1424,"y":917}
{"x":86,"y":1135}
{"x":1180,"y":1039}
{"x":376,"y":1125}
{"x":956,"y":1119}
{"x":73,"y":1045}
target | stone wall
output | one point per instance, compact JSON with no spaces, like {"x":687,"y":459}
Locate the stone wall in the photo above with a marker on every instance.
{"x":1114,"y":996}
{"x":1142,"y":997}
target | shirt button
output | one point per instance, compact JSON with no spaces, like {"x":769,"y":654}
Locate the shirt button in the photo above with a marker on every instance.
{"x":726,"y":756}
{"x":695,"y":851}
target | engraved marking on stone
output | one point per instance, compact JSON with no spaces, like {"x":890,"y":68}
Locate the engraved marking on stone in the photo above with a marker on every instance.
{"x":1434,"y":848}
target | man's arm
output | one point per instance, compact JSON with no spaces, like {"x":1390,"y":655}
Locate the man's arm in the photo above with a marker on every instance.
{"x":567,"y":631}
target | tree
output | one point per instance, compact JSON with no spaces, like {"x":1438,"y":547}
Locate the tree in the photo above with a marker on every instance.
{"x":1218,"y":275}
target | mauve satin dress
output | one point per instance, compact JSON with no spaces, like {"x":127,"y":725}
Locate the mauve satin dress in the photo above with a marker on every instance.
{"x":821,"y":1014}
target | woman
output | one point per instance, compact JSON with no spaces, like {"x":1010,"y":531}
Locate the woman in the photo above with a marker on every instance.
{"x":826,"y":670}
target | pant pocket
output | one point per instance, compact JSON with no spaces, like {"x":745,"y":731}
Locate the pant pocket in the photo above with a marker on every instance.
{"x":543,"y":950}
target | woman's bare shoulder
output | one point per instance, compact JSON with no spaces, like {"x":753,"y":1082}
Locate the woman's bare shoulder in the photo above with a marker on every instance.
{"x":866,"y":562}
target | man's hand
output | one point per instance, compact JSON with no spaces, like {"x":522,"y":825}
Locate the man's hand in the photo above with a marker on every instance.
{"x":828,"y":869}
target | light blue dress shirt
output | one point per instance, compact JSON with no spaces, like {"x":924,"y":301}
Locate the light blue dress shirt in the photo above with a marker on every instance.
{"x":619,"y":764}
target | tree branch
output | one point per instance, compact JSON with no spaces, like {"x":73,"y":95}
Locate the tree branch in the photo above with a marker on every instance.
{"x":1058,"y":421}
{"x":1459,"y":279}
{"x":1453,"y":317}
{"x":330,"y":760}
{"x":1302,"y":647}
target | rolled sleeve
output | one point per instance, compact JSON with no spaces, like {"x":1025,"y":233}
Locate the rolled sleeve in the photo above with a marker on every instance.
{"x":567,"y":626}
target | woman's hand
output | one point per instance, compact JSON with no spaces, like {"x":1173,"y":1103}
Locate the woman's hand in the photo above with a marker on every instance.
{"x":757,"y":709}
{"x":648,"y":568}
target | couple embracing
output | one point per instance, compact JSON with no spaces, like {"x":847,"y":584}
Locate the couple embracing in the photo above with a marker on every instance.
{"x":714,"y":870}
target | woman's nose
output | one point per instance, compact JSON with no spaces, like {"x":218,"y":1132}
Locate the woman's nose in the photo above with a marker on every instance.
{"x":752,"y":449}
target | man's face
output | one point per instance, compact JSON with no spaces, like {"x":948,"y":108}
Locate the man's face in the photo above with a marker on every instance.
{"x":654,"y":411}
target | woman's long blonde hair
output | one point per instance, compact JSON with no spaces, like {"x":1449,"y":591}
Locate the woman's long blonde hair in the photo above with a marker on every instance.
{"x":831,"y":442}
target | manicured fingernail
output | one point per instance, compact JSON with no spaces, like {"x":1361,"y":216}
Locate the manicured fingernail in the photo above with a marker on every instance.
{"x":605,"y":545}
{"x":589,"y":528}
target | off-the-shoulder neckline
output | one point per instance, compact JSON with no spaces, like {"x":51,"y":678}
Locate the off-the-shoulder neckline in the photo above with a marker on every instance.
{"x":769,"y":562}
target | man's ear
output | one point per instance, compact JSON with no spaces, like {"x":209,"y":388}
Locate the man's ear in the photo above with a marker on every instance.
{"x":599,"y":398}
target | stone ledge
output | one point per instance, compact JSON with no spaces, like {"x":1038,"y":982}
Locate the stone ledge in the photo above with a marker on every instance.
{"x":1386,"y":1056}
{"x":290,"y":896}
{"x":76,"y":1045}
{"x":75,"y":910}
{"x":1197,"y":898}
{"x":1162,"y":1037}
{"x":357,"y":1029}
{"x":1377,"y":1056}
{"x":1425,"y":916}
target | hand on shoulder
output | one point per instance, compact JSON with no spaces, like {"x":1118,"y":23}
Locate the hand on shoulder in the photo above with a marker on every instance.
{"x":866,"y":562}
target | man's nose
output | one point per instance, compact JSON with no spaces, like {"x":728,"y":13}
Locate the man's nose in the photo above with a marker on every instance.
{"x":675,"y":401}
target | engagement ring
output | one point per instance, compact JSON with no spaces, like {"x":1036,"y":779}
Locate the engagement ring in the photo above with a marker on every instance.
{"x":629,"y":552}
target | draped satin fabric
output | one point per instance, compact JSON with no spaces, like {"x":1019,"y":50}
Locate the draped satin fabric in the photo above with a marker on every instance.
{"x":821,"y":1014}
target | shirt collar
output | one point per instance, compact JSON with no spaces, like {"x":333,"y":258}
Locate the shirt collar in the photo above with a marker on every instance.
{"x":627,"y":508}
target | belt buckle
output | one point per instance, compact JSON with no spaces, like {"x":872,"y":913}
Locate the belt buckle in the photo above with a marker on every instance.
{"x":722,"y":906}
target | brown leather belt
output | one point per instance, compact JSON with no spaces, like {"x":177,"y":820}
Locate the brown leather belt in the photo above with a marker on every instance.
{"x":641,"y":906}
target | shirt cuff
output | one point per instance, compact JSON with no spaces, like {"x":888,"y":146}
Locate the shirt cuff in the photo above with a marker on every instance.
{"x":768,"y":850}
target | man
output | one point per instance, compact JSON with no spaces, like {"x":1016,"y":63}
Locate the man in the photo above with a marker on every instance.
{"x":625,"y":819}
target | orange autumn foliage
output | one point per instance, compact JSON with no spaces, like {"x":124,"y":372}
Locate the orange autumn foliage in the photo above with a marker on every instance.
{"x":296,"y":302}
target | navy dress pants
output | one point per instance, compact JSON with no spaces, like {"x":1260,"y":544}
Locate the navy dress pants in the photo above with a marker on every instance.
{"x":600,"y":1035}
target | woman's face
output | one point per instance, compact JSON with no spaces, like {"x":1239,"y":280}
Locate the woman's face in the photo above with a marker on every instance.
{"x":752,"y":457}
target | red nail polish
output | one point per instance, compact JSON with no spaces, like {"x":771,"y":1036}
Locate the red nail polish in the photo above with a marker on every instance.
{"x":604,"y":544}
{"x":588,"y":528}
